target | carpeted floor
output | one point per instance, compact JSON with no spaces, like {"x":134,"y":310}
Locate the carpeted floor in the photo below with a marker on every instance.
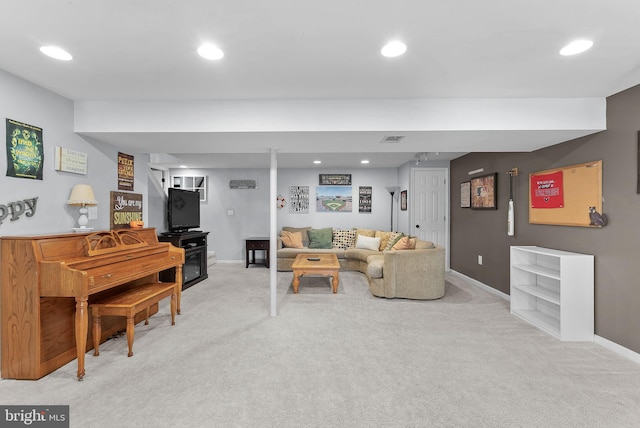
{"x":340,"y":360}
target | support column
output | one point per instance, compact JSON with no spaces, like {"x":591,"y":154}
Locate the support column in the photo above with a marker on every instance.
{"x":273,"y":233}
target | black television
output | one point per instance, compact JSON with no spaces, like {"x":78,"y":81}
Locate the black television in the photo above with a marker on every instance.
{"x":183,"y":210}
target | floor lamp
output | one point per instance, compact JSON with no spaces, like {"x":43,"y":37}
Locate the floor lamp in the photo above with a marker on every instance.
{"x":393,"y":191}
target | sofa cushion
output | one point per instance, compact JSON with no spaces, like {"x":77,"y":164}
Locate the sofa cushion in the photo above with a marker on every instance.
{"x":344,"y":238}
{"x":302,"y":230}
{"x":321,"y":238}
{"x":374,"y":266}
{"x":359,"y":253}
{"x":368,"y":243}
{"x":366,"y":232}
{"x":291,"y":239}
{"x":423,"y":245}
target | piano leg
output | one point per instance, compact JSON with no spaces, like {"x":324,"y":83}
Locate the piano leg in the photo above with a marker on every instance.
{"x":130,"y":332}
{"x":82,"y":327}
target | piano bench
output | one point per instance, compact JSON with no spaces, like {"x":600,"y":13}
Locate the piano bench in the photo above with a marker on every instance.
{"x":128,"y":304}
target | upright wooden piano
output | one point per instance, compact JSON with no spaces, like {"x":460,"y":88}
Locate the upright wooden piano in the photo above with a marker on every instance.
{"x":47,"y":283}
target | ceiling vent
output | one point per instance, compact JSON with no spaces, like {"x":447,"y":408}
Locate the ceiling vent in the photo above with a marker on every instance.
{"x":392,"y":139}
{"x":242,"y":184}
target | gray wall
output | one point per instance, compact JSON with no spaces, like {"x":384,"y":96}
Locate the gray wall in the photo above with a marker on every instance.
{"x":28,"y":103}
{"x":616,"y":247}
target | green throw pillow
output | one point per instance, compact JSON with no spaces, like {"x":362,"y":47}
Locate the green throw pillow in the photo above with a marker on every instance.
{"x":321,"y":238}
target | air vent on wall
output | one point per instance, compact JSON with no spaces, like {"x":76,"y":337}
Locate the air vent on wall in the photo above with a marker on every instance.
{"x":392,"y":139}
{"x":242,"y":184}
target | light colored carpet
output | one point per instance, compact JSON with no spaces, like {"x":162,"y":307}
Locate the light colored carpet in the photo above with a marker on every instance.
{"x":340,"y":360}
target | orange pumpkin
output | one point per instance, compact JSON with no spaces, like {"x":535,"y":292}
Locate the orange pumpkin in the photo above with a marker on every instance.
{"x":136,"y":224}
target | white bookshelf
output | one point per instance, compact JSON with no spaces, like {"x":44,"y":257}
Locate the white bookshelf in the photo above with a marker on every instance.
{"x":553,"y":290}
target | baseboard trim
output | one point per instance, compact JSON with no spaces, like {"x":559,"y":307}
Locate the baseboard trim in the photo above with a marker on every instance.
{"x":618,"y":349}
{"x":606,"y":343}
{"x":481,"y":285}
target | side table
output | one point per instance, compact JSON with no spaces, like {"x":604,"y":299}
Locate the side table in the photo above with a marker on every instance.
{"x":253,"y":244}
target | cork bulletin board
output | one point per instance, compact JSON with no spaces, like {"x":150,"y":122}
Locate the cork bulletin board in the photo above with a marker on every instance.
{"x":563,"y":196}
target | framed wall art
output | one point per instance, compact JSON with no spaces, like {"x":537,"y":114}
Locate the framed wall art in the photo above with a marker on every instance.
{"x":483,"y":192}
{"x":299,"y":199}
{"x":334,"y":199}
{"x":334,"y":179}
{"x":364,"y":203}
{"x":25,"y":151}
{"x":403,"y":200}
{"x":465,"y":194}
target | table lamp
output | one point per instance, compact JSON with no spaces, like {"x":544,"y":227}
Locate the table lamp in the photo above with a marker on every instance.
{"x":82,"y":196}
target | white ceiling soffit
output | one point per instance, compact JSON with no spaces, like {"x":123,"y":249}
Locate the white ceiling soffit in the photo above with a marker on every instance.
{"x":347,"y":126}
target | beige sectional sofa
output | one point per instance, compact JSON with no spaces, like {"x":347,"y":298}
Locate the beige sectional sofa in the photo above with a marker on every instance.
{"x":408,"y":273}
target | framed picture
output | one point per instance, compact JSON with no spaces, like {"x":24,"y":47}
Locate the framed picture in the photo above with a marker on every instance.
{"x":403,"y":200}
{"x":483,"y":192}
{"x":334,"y":179}
{"x":333,"y":199}
{"x":364,"y":203}
{"x":465,"y":194}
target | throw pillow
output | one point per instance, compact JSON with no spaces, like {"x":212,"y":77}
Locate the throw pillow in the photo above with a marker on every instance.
{"x":368,"y":243}
{"x":302,"y":230}
{"x":405,"y":243}
{"x":395,"y":237}
{"x":365,"y":232}
{"x":320,"y":238}
{"x":291,"y":239}
{"x":343,"y":238}
{"x":384,"y":238}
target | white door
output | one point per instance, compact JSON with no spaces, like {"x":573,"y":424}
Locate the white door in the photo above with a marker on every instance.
{"x":429,"y":207}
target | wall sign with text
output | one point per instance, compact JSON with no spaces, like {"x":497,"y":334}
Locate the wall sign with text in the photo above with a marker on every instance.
{"x":68,"y":160}
{"x":125,"y":172}
{"x":125,"y":208}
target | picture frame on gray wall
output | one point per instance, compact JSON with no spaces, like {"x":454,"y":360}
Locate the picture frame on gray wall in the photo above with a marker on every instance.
{"x":484,"y":192}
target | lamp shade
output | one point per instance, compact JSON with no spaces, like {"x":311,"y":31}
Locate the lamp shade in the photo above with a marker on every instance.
{"x":82,"y":194}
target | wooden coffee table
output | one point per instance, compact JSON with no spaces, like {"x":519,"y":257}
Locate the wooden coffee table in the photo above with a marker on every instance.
{"x":316,"y":264}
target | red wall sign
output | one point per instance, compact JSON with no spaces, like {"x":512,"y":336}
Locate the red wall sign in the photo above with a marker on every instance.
{"x":546,"y":191}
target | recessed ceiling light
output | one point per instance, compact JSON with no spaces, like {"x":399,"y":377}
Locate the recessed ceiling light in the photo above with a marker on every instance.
{"x":576,"y":47}
{"x":183,"y":166}
{"x":317,"y":161}
{"x":393,"y":49}
{"x":364,"y":161}
{"x":56,"y":52}
{"x":210,"y":52}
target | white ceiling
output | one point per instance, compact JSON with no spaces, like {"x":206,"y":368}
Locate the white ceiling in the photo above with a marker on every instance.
{"x":130,"y":50}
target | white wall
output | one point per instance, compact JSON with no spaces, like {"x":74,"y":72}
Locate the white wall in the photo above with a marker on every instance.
{"x":29,"y":103}
{"x":377,"y":178}
{"x":251,"y":207}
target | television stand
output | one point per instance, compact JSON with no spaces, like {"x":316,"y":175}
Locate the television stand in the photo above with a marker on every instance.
{"x":195,"y":255}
